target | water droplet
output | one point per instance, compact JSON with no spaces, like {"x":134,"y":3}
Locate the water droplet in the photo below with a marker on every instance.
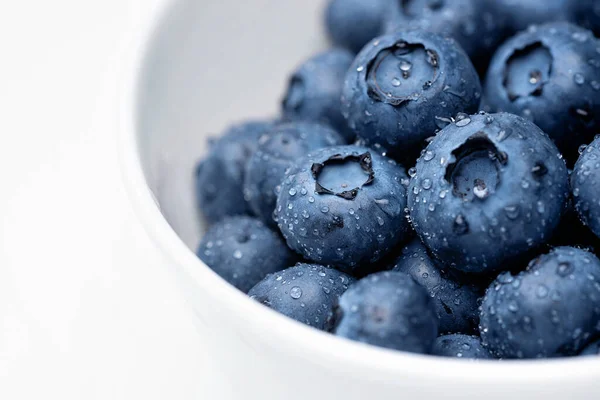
{"x":460,"y":227}
{"x":541,"y":208}
{"x":564,"y":269}
{"x":428,"y":156}
{"x":582,"y":148}
{"x":426,"y":184}
{"x":480,"y":189}
{"x":595,"y":85}
{"x":295,"y":292}
{"x":541,"y":291}
{"x":425,"y":275}
{"x":462,"y":120}
{"x":360,"y":69}
{"x":535,"y":76}
{"x":580,"y":36}
{"x":324,"y":209}
{"x":512,"y":212}
{"x":237,"y":254}
{"x":443,"y":194}
{"x":412,"y":172}
{"x":292,"y":192}
{"x":380,"y":221}
{"x":396,"y":82}
{"x":405,"y":65}
{"x":513,"y":307}
{"x":525,"y":184}
{"x":579,"y":79}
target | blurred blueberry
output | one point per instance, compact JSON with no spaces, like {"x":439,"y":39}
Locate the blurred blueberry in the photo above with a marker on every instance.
{"x":353,"y":23}
{"x":219,"y":176}
{"x":242,"y":250}
{"x":315,"y":88}
{"x":307,"y":293}
{"x":388,"y":309}
{"x":455,"y":299}
{"x":460,"y":346}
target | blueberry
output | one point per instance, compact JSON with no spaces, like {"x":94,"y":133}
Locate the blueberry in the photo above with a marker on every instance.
{"x":460,"y":346}
{"x":220,"y":175}
{"x":470,"y":22}
{"x":307,"y":293}
{"x":242,"y":250}
{"x":585,"y":181}
{"x":353,"y":23}
{"x":520,"y":14}
{"x":315,"y":88}
{"x":551,"y":309}
{"x":551,"y":75}
{"x":402,"y":85}
{"x":591,"y":350}
{"x":455,"y":300}
{"x":488,"y":189}
{"x":277,"y":150}
{"x":343,"y":206}
{"x":388,"y":309}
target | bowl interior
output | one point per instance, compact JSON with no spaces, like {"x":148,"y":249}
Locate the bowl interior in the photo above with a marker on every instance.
{"x":214,"y":63}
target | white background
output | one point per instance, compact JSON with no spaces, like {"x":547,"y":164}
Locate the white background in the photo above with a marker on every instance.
{"x":80,"y":316}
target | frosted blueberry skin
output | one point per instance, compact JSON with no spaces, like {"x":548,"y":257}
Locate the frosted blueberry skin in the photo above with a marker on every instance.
{"x":585,"y":184}
{"x":460,"y":346}
{"x":277,"y":150}
{"x":243,"y":250}
{"x":388,"y":309}
{"x":549,"y":74}
{"x":307,"y":293}
{"x":315,"y":88}
{"x":472,"y":23}
{"x":219,"y":177}
{"x":455,"y":298}
{"x":402,"y":86}
{"x":551,"y":309}
{"x":488,"y":190}
{"x":353,"y":23}
{"x":343,"y":206}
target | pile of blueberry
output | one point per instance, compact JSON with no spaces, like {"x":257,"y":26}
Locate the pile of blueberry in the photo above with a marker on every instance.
{"x":432,"y":184}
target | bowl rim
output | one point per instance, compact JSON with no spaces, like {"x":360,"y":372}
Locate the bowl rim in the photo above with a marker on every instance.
{"x":286,"y":334}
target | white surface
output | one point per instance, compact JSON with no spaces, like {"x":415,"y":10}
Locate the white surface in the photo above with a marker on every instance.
{"x":80,"y":316}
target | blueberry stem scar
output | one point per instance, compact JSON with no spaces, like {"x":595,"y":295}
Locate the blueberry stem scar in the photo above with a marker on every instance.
{"x":364,"y":160}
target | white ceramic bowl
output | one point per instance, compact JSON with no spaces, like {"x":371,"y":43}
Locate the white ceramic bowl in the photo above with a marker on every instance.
{"x":197,"y":66}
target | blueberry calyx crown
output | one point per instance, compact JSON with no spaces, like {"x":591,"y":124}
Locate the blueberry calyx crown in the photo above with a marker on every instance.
{"x":527,"y":71}
{"x":401,"y":72}
{"x":363,"y":161}
{"x":474,"y":172}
